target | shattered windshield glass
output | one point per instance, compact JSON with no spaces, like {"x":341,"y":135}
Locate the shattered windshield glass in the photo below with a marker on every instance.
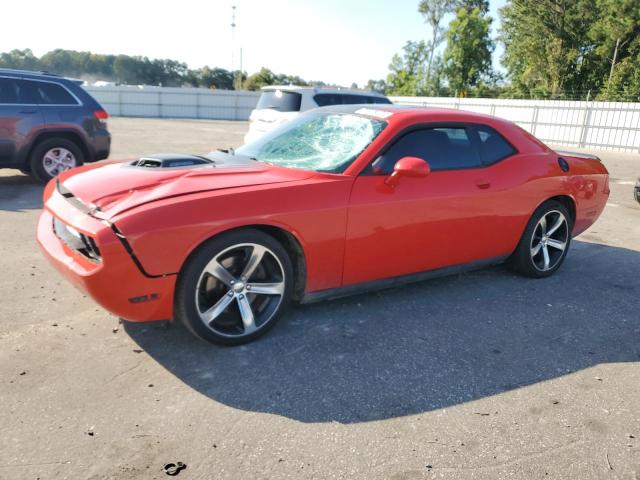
{"x":320,"y":141}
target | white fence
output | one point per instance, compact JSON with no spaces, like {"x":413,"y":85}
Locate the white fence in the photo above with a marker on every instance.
{"x":599,"y":125}
{"x":164,"y":102}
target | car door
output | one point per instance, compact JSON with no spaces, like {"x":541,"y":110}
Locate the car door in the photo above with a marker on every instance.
{"x":423,"y":223}
{"x":20,"y":118}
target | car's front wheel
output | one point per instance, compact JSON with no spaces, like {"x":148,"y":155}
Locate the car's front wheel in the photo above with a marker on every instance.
{"x":52,"y":157}
{"x":235,"y":287}
{"x":545,"y":242}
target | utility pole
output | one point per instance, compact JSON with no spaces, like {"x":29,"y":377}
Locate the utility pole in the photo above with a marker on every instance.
{"x":233,"y":44}
{"x":240,"y":73}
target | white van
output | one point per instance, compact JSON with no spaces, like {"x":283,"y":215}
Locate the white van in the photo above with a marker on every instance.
{"x":278,"y":104}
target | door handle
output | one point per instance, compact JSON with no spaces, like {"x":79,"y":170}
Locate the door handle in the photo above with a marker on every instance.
{"x":483,"y":184}
{"x":28,"y":111}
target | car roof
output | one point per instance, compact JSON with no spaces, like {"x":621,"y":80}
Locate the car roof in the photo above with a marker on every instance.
{"x":338,"y":90}
{"x":35,"y":75}
{"x":388,"y":111}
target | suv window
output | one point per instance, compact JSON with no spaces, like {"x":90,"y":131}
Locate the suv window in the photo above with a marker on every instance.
{"x":324,"y":99}
{"x":355,"y":99}
{"x":444,"y":148}
{"x":280,"y":100}
{"x":493,"y":146}
{"x":8,"y":91}
{"x":379,"y":100}
{"x":53,"y":94}
{"x":27,"y":92}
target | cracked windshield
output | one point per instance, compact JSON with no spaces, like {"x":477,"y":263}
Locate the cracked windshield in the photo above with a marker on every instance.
{"x":326,"y":142}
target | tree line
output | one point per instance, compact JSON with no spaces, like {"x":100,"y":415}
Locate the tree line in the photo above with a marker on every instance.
{"x":136,"y":70}
{"x":557,"y":49}
{"x":563,"y":49}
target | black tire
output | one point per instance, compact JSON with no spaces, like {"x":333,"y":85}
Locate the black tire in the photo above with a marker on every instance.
{"x":37,"y":159}
{"x":523,"y":260}
{"x":232,"y":250}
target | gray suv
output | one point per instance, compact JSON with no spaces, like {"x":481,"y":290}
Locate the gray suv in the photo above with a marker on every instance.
{"x":49,"y":124}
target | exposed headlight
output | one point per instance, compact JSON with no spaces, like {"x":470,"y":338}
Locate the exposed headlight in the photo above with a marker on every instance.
{"x":79,"y":242}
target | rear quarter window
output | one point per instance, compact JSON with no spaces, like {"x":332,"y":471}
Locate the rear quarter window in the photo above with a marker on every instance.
{"x":53,"y":94}
{"x":493,"y":146}
{"x":280,"y":100}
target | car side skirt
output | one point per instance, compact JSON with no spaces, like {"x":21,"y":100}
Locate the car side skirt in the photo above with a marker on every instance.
{"x":385,"y":283}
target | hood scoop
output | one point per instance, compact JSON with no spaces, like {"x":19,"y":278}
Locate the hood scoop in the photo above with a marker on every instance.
{"x":170,"y":161}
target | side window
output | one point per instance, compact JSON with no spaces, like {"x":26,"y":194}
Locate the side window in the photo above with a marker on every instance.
{"x":8,"y":91}
{"x":444,"y":148}
{"x":53,"y":94}
{"x":324,"y":99}
{"x":28,"y":92}
{"x":493,"y":147}
{"x":380,"y":100}
{"x":355,"y":99}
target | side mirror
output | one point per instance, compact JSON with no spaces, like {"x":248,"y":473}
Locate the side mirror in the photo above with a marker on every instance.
{"x":408,"y":167}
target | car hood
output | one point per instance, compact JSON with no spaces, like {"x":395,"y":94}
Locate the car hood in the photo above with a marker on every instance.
{"x":108,"y":189}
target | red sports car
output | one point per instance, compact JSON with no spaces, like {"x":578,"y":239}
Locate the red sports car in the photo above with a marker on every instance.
{"x":339,"y":200}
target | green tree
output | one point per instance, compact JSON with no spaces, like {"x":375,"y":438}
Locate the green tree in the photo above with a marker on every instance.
{"x":19,"y":59}
{"x":407,"y":72}
{"x":548,"y":52}
{"x":130,"y":70}
{"x":260,"y":79}
{"x":616,"y":36}
{"x":379,"y":86}
{"x":482,"y":5}
{"x":467,"y":57}
{"x":434,"y":12}
{"x":266,"y":77}
{"x":217,"y":78}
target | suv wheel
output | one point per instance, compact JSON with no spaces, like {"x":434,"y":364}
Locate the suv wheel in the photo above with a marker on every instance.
{"x":53,"y":156}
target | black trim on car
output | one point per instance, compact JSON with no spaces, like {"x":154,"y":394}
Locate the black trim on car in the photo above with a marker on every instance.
{"x":392,"y":282}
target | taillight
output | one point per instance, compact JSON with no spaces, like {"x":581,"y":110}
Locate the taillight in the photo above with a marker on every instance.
{"x":101,"y":114}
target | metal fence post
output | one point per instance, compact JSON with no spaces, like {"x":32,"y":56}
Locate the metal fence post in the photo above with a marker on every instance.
{"x":235,"y":105}
{"x":534,"y":121}
{"x":160,"y":105}
{"x":585,"y":126}
{"x":120,"y":102}
{"x":492,"y":111}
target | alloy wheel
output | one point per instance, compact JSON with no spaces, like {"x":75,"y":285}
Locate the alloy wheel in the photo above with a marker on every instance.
{"x":549,"y":240}
{"x":240,"y":290}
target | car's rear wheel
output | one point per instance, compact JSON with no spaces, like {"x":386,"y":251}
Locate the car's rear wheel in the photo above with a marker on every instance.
{"x":235,"y":287}
{"x":545,"y":242}
{"x":53,"y":156}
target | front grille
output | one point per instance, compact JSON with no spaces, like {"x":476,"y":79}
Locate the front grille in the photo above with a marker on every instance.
{"x":81,"y":243}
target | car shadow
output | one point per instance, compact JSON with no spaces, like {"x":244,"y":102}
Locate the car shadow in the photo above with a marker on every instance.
{"x":20,"y":192}
{"x":421,"y":347}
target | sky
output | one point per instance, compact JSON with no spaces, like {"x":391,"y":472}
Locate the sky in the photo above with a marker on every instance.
{"x":336,"y":41}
